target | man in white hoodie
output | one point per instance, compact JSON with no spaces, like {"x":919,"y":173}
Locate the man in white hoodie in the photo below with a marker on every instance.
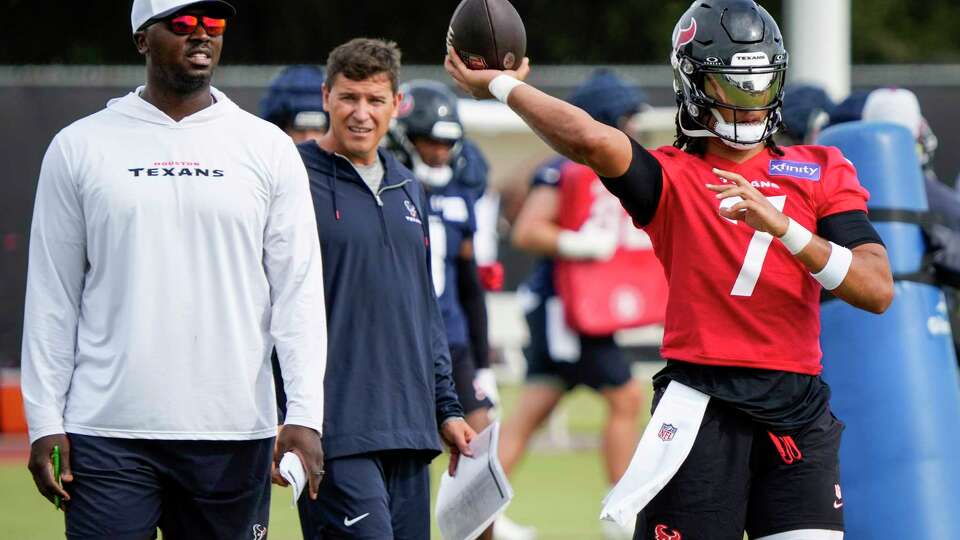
{"x":173,"y":245}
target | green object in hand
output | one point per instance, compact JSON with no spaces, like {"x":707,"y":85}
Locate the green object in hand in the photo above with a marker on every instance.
{"x":56,"y":473}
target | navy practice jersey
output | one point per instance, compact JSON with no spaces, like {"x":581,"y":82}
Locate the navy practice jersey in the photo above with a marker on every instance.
{"x":470,"y":169}
{"x":452,"y":220}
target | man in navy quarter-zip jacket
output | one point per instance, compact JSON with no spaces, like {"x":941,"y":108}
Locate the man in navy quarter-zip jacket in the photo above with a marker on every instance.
{"x":388,"y":376}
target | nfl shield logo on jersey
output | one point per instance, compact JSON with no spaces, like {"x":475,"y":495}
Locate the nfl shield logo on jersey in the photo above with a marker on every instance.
{"x":667,"y":431}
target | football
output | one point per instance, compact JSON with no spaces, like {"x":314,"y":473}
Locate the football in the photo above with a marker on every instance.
{"x":488,"y":34}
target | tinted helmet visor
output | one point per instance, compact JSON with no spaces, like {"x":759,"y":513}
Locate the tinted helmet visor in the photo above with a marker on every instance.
{"x":752,"y":89}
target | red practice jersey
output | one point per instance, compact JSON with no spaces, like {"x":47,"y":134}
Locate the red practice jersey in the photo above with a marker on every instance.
{"x":737,"y":296}
{"x":625,"y":291}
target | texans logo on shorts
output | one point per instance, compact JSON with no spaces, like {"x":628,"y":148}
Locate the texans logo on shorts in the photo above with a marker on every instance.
{"x":662,"y":533}
{"x":667,"y":431}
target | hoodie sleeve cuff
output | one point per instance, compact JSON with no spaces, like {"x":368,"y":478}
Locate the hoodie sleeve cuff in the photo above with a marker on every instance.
{"x":449,"y":413}
{"x":305,"y":422}
{"x":450,"y":419}
{"x":43,"y":431}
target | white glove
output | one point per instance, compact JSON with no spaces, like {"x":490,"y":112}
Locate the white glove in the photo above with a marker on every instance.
{"x":485,"y":382}
{"x":589,"y":243}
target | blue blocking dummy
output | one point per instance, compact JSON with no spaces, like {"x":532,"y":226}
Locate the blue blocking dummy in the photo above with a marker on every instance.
{"x":894,"y":376}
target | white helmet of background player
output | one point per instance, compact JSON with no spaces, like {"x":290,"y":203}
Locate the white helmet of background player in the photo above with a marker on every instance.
{"x":728,"y":55}
{"x":428,"y":110}
{"x":901,"y":106}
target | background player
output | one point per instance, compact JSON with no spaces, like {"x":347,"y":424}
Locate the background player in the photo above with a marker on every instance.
{"x":806,"y":109}
{"x":742,"y":319}
{"x":294,"y":103}
{"x":558,"y":358}
{"x":428,"y":138}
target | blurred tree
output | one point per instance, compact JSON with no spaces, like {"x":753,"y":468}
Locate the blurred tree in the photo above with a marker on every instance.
{"x":559,"y":32}
{"x":894,"y":31}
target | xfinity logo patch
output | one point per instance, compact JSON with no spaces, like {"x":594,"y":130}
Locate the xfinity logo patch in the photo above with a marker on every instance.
{"x":796,"y":169}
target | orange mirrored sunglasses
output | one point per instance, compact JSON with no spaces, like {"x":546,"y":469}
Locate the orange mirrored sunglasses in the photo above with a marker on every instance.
{"x":185,"y":25}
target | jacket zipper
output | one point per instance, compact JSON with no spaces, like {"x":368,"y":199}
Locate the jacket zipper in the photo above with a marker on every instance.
{"x":383,"y":219}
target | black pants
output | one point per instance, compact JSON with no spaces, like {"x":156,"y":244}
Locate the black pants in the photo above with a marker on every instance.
{"x":376,"y":496}
{"x":127,"y":488}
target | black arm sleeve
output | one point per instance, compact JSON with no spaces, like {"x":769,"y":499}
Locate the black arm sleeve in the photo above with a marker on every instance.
{"x":640,"y":187}
{"x":848,"y":229}
{"x":473,"y":301}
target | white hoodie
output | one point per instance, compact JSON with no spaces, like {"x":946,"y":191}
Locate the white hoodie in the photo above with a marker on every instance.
{"x":166,"y":260}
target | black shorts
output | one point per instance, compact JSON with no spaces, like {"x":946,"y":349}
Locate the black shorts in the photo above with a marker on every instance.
{"x":741,"y":477}
{"x":464,"y":373}
{"x":377,"y":495}
{"x":127,"y":488}
{"x":558,"y":355}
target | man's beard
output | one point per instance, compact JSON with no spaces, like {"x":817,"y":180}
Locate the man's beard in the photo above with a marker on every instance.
{"x":182,"y":82}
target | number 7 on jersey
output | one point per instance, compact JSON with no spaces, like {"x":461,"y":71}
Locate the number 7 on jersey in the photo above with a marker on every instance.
{"x":756,"y":251}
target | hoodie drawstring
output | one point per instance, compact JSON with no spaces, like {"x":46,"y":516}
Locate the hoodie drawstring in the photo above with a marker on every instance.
{"x":333,"y":189}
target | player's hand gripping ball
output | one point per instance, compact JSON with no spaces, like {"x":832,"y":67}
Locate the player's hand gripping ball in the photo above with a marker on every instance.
{"x":488,"y":34}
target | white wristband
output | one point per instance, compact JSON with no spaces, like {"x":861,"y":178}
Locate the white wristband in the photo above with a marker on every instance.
{"x":502,"y":85}
{"x":796,"y":238}
{"x":833,"y":274}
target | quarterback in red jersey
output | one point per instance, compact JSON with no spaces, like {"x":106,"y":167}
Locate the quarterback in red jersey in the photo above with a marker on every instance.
{"x":748,"y":234}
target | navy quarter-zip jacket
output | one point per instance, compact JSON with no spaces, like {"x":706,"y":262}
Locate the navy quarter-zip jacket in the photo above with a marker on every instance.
{"x":388,"y":382}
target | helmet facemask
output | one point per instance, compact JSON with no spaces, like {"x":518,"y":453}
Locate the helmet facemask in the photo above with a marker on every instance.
{"x":433,"y":176}
{"x":705,"y":90}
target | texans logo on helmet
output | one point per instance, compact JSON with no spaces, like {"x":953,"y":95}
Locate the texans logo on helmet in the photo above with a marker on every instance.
{"x":666,"y":533}
{"x":686,"y":35}
{"x":406,"y":106}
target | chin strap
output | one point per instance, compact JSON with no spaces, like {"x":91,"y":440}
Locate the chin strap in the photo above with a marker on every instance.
{"x":437,"y":177}
{"x":726,"y":133}
{"x":740,"y":146}
{"x":693,"y":132}
{"x":739,"y":136}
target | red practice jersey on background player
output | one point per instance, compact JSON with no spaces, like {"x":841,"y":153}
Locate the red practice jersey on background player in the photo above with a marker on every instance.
{"x":737,"y":297}
{"x":601,"y":297}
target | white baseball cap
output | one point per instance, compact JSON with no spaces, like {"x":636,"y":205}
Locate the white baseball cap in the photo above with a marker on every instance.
{"x":897,"y":105}
{"x":144,"y":10}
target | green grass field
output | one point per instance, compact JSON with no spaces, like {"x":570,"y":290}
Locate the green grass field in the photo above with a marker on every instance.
{"x":557,"y":492}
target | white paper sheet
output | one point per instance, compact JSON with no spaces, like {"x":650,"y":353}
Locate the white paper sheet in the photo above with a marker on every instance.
{"x":291,"y":469}
{"x":470,"y":501}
